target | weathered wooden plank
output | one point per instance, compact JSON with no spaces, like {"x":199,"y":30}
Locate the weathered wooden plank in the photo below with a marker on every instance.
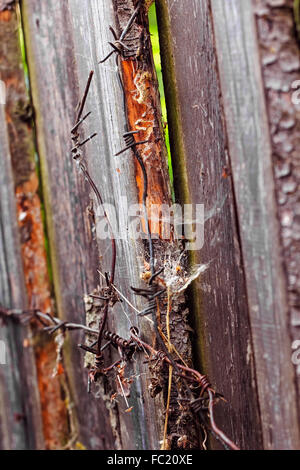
{"x":13,"y":435}
{"x":52,"y":68}
{"x":250,"y":154}
{"x":20,"y":422}
{"x":280,"y":61}
{"x":21,"y":425}
{"x":29,"y":215}
{"x":201,"y":169}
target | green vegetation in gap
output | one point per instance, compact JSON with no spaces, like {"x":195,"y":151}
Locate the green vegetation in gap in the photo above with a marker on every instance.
{"x":157,"y":62}
{"x":22,"y":47}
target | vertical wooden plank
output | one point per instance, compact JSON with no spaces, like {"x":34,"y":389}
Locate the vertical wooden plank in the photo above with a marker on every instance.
{"x":250,"y":154}
{"x":20,"y":423}
{"x":13,"y":433}
{"x":29,"y":215}
{"x":140,"y":429}
{"x":202,"y":176}
{"x":52,"y":69}
{"x":280,"y":62}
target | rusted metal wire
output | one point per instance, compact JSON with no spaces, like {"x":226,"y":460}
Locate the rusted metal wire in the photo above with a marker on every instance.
{"x":204,"y":385}
{"x":24,"y":316}
{"x":78,"y":158}
{"x":119,"y":46}
{"x":130,"y":142}
{"x":130,"y":346}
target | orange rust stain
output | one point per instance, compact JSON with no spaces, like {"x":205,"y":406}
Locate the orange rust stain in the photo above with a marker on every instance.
{"x":141,"y":99}
{"x":54,"y":409}
{"x":225,"y":172}
{"x":5,"y":15}
{"x":11,"y":82}
{"x":32,"y":242}
{"x":60,"y":369}
{"x":54,"y":414}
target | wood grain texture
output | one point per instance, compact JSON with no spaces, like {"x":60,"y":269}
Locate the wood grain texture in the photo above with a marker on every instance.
{"x":115,"y":176}
{"x":55,"y":64}
{"x":29,"y":215}
{"x":74,"y":256}
{"x":20,"y":422}
{"x":280,"y":61}
{"x":250,"y":154}
{"x":201,"y":168}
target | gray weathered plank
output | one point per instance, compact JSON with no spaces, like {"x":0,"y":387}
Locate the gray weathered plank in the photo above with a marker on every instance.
{"x":74,"y":257}
{"x":17,"y":376}
{"x":18,"y":113}
{"x":116,"y":179}
{"x":250,"y":154}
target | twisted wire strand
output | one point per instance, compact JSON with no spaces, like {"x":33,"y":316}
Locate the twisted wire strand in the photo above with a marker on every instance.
{"x":78,"y":157}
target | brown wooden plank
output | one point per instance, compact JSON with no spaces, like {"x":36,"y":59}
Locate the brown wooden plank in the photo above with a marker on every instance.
{"x":202,"y":175}
{"x":13,"y":434}
{"x":21,"y":424}
{"x":250,"y":153}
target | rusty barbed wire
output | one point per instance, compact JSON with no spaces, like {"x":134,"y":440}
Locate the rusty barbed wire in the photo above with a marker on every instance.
{"x":135,"y":343}
{"x":78,"y":157}
{"x":203,"y":382}
{"x":119,"y":46}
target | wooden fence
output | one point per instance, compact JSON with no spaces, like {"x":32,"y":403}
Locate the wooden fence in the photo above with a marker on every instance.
{"x":229,"y":69}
